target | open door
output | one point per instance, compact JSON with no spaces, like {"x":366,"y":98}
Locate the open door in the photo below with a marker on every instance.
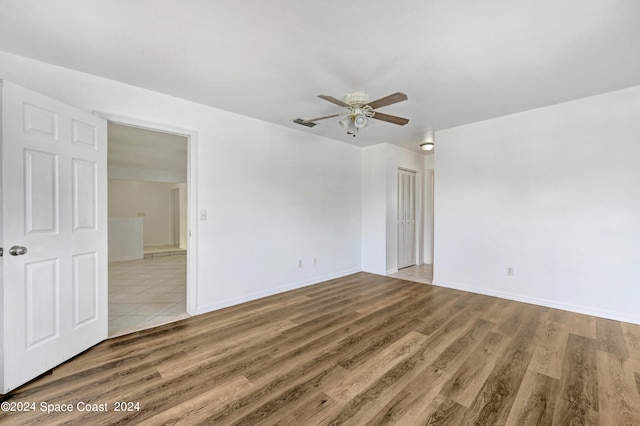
{"x":54,"y":233}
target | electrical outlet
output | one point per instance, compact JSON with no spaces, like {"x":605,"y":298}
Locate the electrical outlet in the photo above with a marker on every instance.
{"x":315,"y":261}
{"x":203,"y":215}
{"x":510,"y":271}
{"x":299,"y":263}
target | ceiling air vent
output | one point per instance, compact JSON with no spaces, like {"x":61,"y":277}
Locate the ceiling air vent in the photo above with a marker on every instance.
{"x":301,"y":122}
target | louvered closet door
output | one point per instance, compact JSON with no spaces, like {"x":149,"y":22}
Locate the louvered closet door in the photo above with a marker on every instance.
{"x":406,"y":218}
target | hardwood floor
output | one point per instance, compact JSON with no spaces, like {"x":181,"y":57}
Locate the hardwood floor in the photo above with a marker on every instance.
{"x":362,"y":350}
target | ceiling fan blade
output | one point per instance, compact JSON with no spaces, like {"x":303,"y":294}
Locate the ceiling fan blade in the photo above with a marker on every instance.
{"x":390,"y":118}
{"x":333,"y":100}
{"x":388,"y":100}
{"x":321,"y":118}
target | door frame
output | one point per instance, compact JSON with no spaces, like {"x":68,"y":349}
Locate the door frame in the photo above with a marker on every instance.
{"x":175,"y":216}
{"x":192,"y":199}
{"x":431,"y":210}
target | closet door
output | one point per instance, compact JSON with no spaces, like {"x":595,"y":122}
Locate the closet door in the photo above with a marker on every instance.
{"x":406,"y":218}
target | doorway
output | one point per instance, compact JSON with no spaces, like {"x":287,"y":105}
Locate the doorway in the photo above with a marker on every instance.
{"x":148,"y":183}
{"x":422,"y":268}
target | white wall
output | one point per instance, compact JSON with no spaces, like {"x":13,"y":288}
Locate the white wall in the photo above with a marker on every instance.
{"x":149,"y":200}
{"x":429,"y":173}
{"x":125,"y":238}
{"x":552,"y":192}
{"x":146,"y":175}
{"x":273,"y":195}
{"x":374,"y":209}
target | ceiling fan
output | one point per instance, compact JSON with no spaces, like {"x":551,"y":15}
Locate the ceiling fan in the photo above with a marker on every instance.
{"x":359,"y":109}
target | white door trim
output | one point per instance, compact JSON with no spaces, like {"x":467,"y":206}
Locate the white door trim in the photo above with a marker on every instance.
{"x":192,"y":199}
{"x":175,"y":216}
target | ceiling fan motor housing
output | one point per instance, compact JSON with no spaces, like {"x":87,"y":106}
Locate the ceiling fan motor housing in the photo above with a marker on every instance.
{"x":357,"y":98}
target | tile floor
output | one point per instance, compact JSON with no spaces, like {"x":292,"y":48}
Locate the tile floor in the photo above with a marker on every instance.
{"x":418,"y":273}
{"x":147,"y":292}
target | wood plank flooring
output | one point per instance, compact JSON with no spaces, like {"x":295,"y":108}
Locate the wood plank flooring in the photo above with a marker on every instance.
{"x":361,"y":350}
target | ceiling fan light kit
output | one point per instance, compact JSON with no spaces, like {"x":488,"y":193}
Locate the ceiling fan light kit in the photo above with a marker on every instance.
{"x":359,"y":109}
{"x":348,"y":124}
{"x":360,"y":120}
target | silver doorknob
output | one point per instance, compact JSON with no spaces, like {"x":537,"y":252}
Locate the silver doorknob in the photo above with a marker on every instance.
{"x":17,"y":251}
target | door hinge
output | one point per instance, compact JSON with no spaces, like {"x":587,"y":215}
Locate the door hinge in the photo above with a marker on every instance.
{"x":1,"y":251}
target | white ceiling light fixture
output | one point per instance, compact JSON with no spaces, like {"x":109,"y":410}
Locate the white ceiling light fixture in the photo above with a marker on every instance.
{"x":360,"y":120}
{"x":348,"y":124}
{"x":357,"y":115}
{"x":427,"y":146}
{"x":358,"y":112}
{"x":428,"y":143}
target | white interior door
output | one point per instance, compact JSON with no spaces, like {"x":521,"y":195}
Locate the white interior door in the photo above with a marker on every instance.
{"x":406,"y":218}
{"x":54,"y":284}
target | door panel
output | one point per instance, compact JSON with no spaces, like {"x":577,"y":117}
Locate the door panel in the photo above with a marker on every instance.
{"x":85,"y":288}
{"x":41,"y":192}
{"x":43,"y":288}
{"x":54,"y":184}
{"x":85,"y":200}
{"x":40,"y":122}
{"x":85,"y":134}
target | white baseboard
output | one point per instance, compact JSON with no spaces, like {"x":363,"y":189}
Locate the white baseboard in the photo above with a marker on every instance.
{"x":374,"y":271}
{"x":270,"y":292}
{"x":617,"y":316}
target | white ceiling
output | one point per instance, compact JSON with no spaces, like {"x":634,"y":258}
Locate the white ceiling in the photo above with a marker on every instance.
{"x":459,"y":61}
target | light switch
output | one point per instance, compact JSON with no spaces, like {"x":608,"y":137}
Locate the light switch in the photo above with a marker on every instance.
{"x":203,"y":215}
